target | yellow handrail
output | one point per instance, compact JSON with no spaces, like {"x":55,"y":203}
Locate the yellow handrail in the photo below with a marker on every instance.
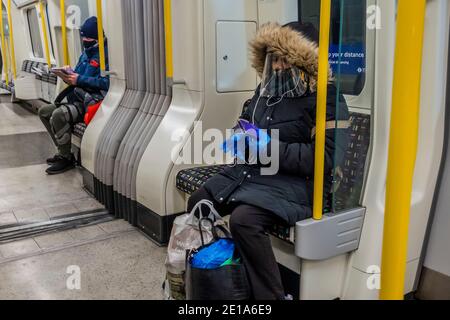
{"x":4,"y":49}
{"x":402,"y":146}
{"x":168,"y":37}
{"x":101,"y":38}
{"x":45,"y":32}
{"x":322,"y":88}
{"x":11,"y":41}
{"x":62,"y":5}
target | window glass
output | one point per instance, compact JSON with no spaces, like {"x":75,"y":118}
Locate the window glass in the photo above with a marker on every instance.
{"x":5,"y":27}
{"x":352,"y":48}
{"x":50,"y":39}
{"x":5,"y":21}
{"x":35,"y":33}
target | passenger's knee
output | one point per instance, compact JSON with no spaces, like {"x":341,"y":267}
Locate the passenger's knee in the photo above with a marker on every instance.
{"x":46,"y":111}
{"x":196,"y":197}
{"x":58,"y":113}
{"x":240,"y":218}
{"x":58,"y":117}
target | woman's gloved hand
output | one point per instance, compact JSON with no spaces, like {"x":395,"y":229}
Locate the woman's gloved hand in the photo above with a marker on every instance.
{"x":247,"y":143}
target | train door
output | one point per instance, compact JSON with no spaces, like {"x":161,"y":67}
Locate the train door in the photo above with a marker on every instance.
{"x":434,"y":279}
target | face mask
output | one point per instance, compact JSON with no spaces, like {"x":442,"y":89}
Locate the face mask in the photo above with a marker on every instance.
{"x":276,"y":85}
{"x":89,"y":44}
{"x":289,"y":82}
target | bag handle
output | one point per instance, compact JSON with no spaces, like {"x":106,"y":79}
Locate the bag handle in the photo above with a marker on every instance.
{"x":225,"y":231}
{"x":63,"y":95}
{"x":212,"y":215}
{"x":213,"y":229}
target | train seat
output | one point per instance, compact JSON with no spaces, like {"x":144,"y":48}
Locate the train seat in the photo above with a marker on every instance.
{"x":79,"y":130}
{"x":346,"y":225}
{"x":30,"y":85}
{"x":145,"y":103}
{"x":26,"y":68}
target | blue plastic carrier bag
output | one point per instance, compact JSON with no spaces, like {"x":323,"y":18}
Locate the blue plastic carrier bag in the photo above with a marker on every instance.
{"x":215,"y":255}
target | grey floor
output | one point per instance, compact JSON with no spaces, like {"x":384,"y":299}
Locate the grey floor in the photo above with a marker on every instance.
{"x":111,"y":260}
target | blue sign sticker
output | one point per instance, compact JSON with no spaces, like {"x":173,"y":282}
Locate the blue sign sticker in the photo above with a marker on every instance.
{"x":353,"y":59}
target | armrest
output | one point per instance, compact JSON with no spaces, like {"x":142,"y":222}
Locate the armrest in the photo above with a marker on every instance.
{"x":333,"y":236}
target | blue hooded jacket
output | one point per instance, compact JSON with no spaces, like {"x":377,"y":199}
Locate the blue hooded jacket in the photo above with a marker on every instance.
{"x":89,"y":71}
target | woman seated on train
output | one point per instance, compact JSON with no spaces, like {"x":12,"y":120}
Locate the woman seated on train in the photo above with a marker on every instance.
{"x":286,"y":59}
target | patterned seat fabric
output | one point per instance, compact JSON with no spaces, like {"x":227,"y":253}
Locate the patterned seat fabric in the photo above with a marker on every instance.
{"x":350,"y":187}
{"x":4,"y":86}
{"x":191,"y":180}
{"x":27,"y":66}
{"x":50,"y":78}
{"x":353,"y":168}
{"x":79,"y":130}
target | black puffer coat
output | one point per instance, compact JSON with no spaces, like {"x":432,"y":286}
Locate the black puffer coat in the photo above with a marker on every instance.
{"x":289,"y":193}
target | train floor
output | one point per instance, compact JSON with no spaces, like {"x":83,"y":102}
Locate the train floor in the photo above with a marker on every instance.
{"x":105,"y":259}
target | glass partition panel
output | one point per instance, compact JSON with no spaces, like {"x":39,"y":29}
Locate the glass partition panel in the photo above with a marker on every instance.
{"x":347,"y":39}
{"x":349,"y":132}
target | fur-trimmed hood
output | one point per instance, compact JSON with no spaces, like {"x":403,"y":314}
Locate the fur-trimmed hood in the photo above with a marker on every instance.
{"x":290,"y":44}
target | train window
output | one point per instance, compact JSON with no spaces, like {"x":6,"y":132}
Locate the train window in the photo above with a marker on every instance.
{"x":35,"y":34}
{"x":50,"y":39}
{"x":352,"y":48}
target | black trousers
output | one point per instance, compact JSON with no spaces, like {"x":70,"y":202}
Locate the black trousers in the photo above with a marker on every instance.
{"x":248,"y":225}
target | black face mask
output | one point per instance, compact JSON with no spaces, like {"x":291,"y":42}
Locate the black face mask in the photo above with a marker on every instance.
{"x":89,"y":44}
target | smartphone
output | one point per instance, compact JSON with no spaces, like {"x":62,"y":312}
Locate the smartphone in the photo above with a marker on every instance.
{"x":66,"y":71}
{"x":247,"y":126}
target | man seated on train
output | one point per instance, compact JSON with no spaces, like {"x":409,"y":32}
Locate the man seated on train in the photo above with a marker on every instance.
{"x":86,"y":83}
{"x":286,"y":59}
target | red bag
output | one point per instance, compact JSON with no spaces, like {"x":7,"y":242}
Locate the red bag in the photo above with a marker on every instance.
{"x":91,"y":111}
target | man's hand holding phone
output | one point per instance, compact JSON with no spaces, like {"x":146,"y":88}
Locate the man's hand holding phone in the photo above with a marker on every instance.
{"x":66,"y":74}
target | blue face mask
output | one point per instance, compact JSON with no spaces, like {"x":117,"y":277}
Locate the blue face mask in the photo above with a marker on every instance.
{"x":89,"y":44}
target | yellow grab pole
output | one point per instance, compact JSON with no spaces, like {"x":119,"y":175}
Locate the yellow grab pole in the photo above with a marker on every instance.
{"x":62,"y":5}
{"x":11,"y":41}
{"x":101,"y":38}
{"x":402,"y":146}
{"x":322,"y":88}
{"x":4,"y":49}
{"x":168,"y":37}
{"x":45,"y":32}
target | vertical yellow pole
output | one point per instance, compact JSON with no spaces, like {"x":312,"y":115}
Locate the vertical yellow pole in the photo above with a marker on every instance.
{"x":168,"y":37}
{"x":62,"y":5}
{"x":45,"y":32}
{"x":322,"y":88}
{"x":11,"y":41}
{"x":4,"y":49}
{"x":101,"y":39}
{"x":402,"y":146}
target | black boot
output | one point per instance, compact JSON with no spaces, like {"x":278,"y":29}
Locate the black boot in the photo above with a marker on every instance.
{"x":62,"y":165}
{"x":51,"y":161}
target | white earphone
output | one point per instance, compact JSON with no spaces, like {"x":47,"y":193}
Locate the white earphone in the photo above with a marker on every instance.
{"x":268,"y":104}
